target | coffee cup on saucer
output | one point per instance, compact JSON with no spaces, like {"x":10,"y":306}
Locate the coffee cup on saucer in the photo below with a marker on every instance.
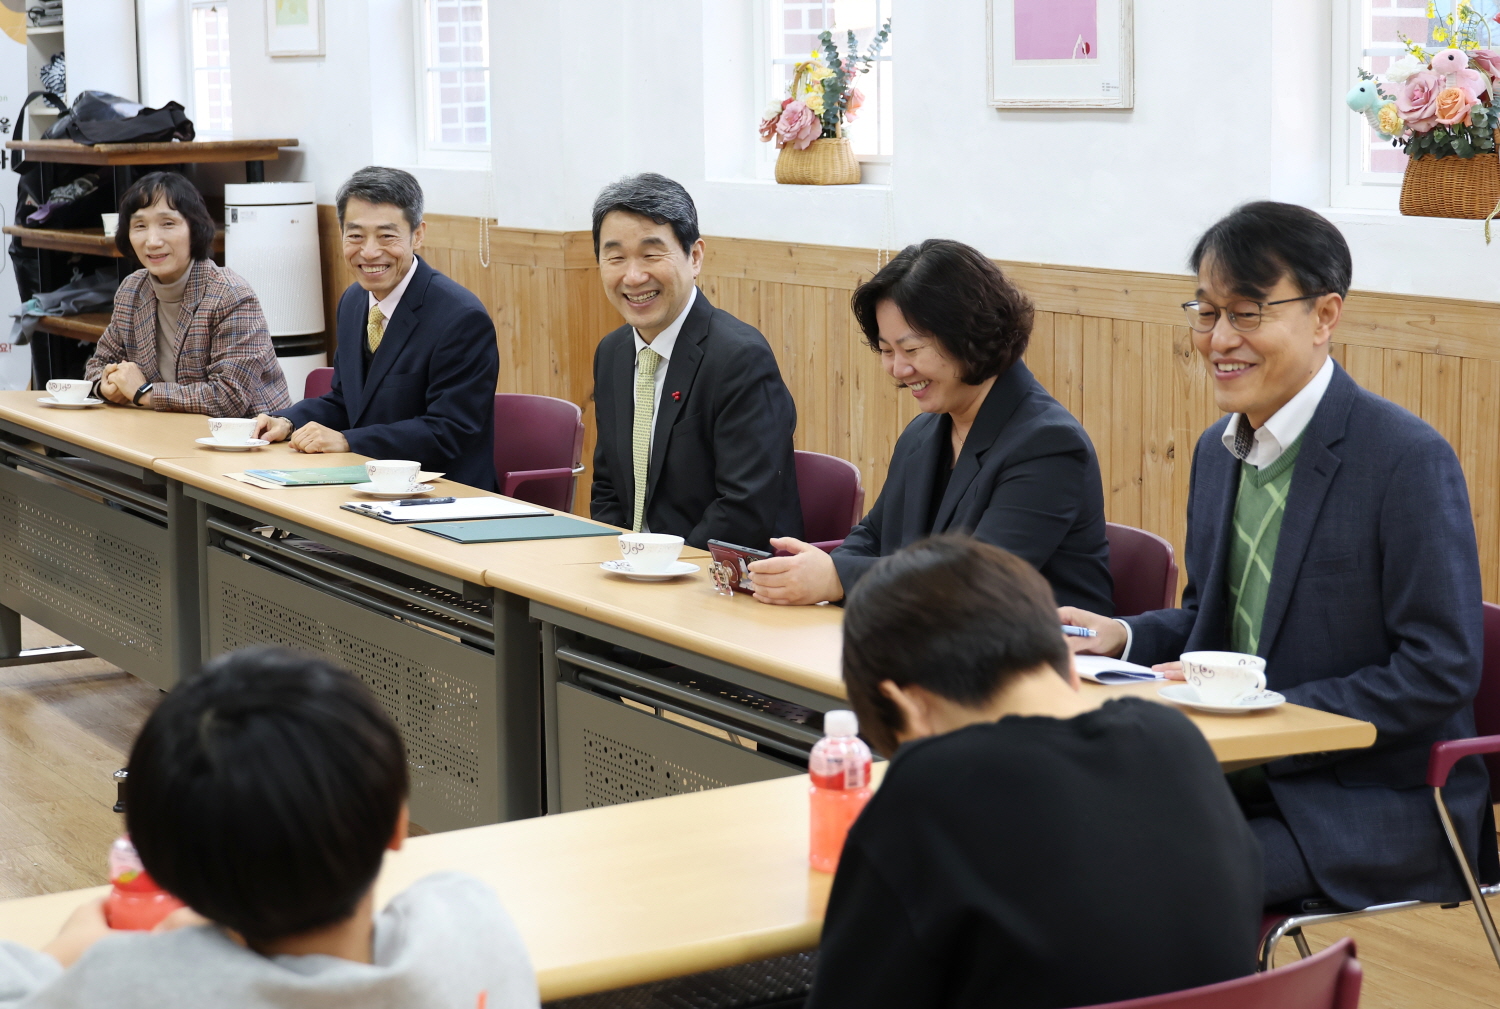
{"x":393,"y":476}
{"x":231,"y":430}
{"x":69,"y":390}
{"x":1224,"y":677}
{"x":650,"y":553}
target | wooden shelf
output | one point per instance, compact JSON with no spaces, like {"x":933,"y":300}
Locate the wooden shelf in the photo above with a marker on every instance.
{"x":88,"y":241}
{"x":171,"y":153}
{"x":88,"y":326}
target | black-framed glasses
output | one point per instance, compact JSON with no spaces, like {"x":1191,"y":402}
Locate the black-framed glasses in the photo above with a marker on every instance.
{"x":1203,"y":316}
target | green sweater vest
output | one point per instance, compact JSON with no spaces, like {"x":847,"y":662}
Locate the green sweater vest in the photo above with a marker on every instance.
{"x":1258,"y":508}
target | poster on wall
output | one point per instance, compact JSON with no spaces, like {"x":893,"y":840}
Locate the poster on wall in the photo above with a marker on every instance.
{"x":294,"y":27}
{"x":1061,"y":54}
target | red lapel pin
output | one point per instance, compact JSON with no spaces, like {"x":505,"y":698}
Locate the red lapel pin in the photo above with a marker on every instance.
{"x":677,"y":396}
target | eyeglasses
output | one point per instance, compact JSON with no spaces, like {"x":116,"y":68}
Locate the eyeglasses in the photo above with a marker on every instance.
{"x":1203,"y":316}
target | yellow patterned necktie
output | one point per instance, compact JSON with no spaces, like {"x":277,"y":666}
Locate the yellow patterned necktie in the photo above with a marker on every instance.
{"x":640,"y":435}
{"x":374,"y":331}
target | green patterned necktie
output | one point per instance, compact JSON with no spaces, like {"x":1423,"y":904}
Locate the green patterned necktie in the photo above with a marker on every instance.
{"x":640,"y":434}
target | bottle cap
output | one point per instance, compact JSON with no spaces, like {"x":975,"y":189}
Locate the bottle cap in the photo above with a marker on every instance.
{"x":840,"y":723}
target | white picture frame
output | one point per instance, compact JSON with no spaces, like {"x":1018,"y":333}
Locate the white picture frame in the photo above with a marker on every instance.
{"x":294,"y":27}
{"x":1032,"y":67}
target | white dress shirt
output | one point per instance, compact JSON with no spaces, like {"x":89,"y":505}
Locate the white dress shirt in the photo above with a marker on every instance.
{"x":388,"y":306}
{"x":663,"y":344}
{"x":1272,"y":438}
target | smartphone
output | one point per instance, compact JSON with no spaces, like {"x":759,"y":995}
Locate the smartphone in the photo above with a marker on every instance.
{"x":731,"y":566}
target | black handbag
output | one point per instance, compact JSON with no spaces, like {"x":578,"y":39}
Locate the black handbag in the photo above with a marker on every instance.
{"x":98,"y":117}
{"x":57,"y":103}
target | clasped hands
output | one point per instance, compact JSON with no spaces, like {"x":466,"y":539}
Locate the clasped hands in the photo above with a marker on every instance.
{"x":1111,"y":639}
{"x":119,"y":381}
{"x":311,"y":437}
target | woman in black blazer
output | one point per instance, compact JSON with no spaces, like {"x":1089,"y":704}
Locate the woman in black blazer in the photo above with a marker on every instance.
{"x":992,"y":454}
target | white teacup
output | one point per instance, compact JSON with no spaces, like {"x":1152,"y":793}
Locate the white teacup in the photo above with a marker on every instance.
{"x":1223,"y":677}
{"x":231,"y":430}
{"x":69,"y":390}
{"x":111,"y":224}
{"x":650,"y":553}
{"x":393,"y":476}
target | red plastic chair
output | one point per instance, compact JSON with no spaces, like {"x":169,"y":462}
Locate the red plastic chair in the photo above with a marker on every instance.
{"x":833,"y":498}
{"x":1330,"y":980}
{"x":1144,"y":569}
{"x":319,"y":383}
{"x":1440,"y":763}
{"x":538,"y":449}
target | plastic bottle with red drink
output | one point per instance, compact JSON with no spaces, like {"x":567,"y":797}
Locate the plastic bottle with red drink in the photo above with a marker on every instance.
{"x":840,"y":770}
{"x":136,"y":902}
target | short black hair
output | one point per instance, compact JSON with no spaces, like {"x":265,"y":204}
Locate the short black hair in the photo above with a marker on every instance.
{"x":182,"y":196}
{"x":652,"y":196}
{"x":392,"y":186}
{"x":1259,"y":243}
{"x":953,"y":293}
{"x":264,"y":791}
{"x":956,"y":616}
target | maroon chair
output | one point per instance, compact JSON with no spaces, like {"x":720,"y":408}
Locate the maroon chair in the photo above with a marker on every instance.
{"x":1144,"y":570}
{"x":1440,"y":763}
{"x":319,"y":383}
{"x":538,"y":449}
{"x":1329,"y":980}
{"x":833,"y":498}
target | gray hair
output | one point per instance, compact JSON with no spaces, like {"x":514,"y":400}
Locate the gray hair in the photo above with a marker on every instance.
{"x":392,"y":186}
{"x":652,"y":196}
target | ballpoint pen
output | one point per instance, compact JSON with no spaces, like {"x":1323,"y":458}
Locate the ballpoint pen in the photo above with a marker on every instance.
{"x":1074,"y":631}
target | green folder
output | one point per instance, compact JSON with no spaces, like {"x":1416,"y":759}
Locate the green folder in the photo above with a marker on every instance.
{"x":314,"y":476}
{"x":540,"y":527}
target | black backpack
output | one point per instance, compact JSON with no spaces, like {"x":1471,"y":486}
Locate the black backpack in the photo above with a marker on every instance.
{"x":98,"y":117}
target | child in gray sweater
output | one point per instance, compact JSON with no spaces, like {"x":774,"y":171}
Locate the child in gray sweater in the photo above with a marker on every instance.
{"x":263,"y":793}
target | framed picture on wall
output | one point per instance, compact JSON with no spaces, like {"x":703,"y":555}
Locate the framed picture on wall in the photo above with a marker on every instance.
{"x":294,"y":27}
{"x":1061,"y":54}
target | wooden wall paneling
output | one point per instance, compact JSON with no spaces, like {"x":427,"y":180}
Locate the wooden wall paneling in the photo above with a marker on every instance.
{"x":844,"y":340}
{"x":1039,"y":352}
{"x":1127,"y":446}
{"x":1094,"y":399}
{"x":1442,"y":396}
{"x":1366,"y":365}
{"x":1067,"y":361}
{"x":1403,"y":379}
{"x":1480,"y":455}
{"x":1159,"y":444}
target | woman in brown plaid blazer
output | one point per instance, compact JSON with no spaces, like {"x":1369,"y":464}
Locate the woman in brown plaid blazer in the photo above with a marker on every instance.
{"x":186,"y":335}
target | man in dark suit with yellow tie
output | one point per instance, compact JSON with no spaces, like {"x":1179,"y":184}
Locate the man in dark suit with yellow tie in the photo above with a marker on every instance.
{"x":689,"y":400}
{"x":415,"y":370}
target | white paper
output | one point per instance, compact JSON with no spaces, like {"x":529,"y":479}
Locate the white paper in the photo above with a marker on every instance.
{"x":463,"y":508}
{"x":1107,"y":671}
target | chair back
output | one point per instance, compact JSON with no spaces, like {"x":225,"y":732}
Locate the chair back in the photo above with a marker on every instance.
{"x":833,"y":498}
{"x":1487,"y":701}
{"x":1144,"y":570}
{"x":319,"y":383}
{"x":1326,"y":980}
{"x":538,"y":433}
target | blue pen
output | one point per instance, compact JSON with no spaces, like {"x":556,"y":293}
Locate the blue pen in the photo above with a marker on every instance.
{"x":1073,"y":631}
{"x":424,"y":501}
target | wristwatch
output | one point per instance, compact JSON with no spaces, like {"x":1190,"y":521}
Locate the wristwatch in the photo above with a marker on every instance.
{"x":136,"y":399}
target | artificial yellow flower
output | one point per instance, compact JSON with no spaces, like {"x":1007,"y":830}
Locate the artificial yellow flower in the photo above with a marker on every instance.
{"x":814,"y":101}
{"x":1431,"y":10}
{"x":817,"y":70}
{"x":1389,"y":120}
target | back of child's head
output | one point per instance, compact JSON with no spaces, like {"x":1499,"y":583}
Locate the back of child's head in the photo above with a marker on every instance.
{"x":264,"y":791}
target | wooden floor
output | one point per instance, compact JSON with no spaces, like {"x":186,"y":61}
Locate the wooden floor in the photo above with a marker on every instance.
{"x":65,"y":727}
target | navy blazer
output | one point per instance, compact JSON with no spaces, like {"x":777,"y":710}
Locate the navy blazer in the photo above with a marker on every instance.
{"x":1374,"y":612}
{"x":721,"y":452}
{"x":430,"y":394}
{"x":1026,"y":480}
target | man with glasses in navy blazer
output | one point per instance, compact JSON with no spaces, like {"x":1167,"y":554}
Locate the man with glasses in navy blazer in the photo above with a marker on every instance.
{"x":1329,"y":532}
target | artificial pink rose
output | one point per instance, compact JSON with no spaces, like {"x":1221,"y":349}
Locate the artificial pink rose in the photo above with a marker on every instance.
{"x":1417,"y":100}
{"x":1453,"y":106}
{"x":853,"y":102}
{"x":768,"y":127}
{"x":798,"y":126}
{"x":1488,"y":62}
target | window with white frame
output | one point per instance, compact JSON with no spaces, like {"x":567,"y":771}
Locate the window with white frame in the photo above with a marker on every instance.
{"x":210,"y":32}
{"x":793,"y":35}
{"x":456,"y":74}
{"x":1367,"y":169}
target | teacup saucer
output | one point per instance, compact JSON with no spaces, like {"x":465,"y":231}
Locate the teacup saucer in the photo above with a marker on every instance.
{"x":1187,"y":696}
{"x":83,"y":405}
{"x":232,"y":446}
{"x":370,"y":489}
{"x":674,"y":570}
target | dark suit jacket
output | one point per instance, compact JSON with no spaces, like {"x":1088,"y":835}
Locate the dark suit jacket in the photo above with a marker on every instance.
{"x":430,"y":394}
{"x":1374,"y":612}
{"x":721,"y":453}
{"x":1027,"y":480}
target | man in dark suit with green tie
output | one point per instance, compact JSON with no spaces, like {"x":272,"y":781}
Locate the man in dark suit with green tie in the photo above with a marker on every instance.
{"x":694,"y":421}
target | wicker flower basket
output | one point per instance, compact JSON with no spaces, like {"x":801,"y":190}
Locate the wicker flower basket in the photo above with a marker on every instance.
{"x":830,"y":162}
{"x":1449,"y":187}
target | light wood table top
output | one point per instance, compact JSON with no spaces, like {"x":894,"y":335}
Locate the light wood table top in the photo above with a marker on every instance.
{"x":616,"y":896}
{"x":139,"y":437}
